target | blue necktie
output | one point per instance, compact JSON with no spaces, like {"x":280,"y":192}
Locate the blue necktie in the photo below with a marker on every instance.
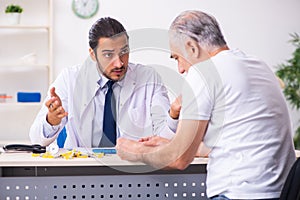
{"x":109,"y":123}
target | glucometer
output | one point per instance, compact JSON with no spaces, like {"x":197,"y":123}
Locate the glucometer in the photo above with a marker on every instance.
{"x":105,"y":150}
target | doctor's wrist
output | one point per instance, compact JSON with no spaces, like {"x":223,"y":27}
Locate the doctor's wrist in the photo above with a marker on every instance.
{"x":173,"y":115}
{"x":53,"y":121}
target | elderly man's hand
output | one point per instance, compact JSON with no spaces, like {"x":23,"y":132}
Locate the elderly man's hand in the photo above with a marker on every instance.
{"x":129,"y":149}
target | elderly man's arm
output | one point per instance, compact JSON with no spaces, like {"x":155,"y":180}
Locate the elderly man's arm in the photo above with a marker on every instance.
{"x":178,"y":153}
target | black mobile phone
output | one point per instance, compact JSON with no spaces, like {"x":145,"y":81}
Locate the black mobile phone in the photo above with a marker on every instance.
{"x":35,"y":148}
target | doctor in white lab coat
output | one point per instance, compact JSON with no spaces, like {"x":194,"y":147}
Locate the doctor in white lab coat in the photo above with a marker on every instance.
{"x":76,"y":98}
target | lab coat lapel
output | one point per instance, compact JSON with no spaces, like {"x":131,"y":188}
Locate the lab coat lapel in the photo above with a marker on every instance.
{"x":89,"y":84}
{"x":86,"y":87}
{"x":128,"y":86}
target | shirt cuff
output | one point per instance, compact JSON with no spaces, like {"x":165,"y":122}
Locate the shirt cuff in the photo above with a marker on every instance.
{"x":172,"y":123}
{"x":49,"y":130}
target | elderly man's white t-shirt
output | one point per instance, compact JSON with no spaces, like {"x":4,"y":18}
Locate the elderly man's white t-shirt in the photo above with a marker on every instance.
{"x":249,"y":127}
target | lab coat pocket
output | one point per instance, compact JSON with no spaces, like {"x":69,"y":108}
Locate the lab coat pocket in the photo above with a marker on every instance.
{"x":135,"y":123}
{"x":137,"y":117}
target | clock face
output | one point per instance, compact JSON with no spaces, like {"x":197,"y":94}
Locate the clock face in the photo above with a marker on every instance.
{"x":85,"y":8}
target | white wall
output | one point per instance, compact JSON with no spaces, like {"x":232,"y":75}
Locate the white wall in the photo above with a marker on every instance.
{"x":258,"y":27}
{"x":255,"y":26}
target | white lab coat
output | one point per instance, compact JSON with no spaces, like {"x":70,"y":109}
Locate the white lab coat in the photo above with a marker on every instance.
{"x":142,"y":106}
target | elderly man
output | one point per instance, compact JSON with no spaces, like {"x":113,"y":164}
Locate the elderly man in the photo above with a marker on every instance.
{"x":233,"y":103}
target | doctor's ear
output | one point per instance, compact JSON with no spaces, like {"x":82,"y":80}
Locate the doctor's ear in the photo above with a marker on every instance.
{"x":92,"y":54}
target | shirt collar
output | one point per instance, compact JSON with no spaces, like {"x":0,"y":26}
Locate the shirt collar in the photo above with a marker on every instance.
{"x":103,"y":80}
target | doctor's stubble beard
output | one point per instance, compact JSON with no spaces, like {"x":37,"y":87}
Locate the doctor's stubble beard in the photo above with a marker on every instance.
{"x":101,"y":71}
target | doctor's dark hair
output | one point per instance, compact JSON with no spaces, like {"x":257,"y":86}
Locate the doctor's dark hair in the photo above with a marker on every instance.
{"x":105,"y":27}
{"x":200,"y":27}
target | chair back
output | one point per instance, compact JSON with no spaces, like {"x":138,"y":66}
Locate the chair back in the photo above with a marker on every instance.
{"x":61,"y":138}
{"x":291,"y":188}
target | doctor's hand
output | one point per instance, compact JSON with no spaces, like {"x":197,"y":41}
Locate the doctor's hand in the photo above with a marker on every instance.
{"x":55,"y":110}
{"x":154,"y":141}
{"x":175,"y":108}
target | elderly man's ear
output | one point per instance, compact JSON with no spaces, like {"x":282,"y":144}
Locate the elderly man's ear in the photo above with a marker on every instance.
{"x":192,"y":48}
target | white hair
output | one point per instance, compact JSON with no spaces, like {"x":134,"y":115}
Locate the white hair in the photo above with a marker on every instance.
{"x":200,"y":27}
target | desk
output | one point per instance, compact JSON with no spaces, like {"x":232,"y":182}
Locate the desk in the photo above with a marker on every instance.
{"x":25,"y":177}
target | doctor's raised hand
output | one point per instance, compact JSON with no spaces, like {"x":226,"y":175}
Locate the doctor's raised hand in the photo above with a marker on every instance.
{"x":175,"y":108}
{"x":55,"y":110}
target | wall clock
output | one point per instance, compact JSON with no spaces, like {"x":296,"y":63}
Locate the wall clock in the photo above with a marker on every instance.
{"x":85,"y":8}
